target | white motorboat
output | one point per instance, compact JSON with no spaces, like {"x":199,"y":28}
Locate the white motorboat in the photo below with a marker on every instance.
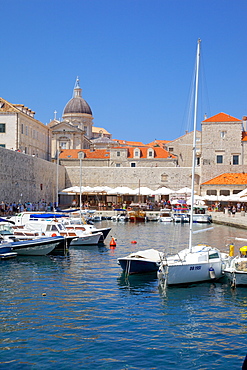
{"x":181,"y":215}
{"x":141,"y":262}
{"x":236,"y":269}
{"x":201,"y":215}
{"x":12,"y":233}
{"x":54,"y":228}
{"x":36,"y":247}
{"x":78,"y":224}
{"x":165,"y":215}
{"x":201,"y":262}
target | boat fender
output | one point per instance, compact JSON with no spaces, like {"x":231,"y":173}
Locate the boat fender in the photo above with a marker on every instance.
{"x":54,"y":234}
{"x":231,"y":250}
{"x":113,"y":242}
{"x":133,"y":241}
{"x":212,"y":273}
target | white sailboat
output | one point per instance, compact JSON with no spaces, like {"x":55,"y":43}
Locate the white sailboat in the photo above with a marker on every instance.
{"x":201,"y":262}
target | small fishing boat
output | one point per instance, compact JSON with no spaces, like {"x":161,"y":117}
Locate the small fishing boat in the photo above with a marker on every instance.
{"x":236,"y":269}
{"x":137,"y":215}
{"x":141,"y":262}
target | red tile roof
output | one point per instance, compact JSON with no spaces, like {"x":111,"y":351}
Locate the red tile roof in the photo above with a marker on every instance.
{"x":73,"y":153}
{"x":159,"y":143}
{"x":129,"y":143}
{"x":103,"y":153}
{"x":228,"y":179}
{"x":222,"y":117}
{"x":158,"y":152}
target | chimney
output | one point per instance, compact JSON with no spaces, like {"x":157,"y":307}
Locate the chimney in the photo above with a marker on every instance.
{"x":244,"y":123}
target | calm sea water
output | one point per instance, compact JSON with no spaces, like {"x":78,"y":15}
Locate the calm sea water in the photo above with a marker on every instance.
{"x":93,"y":317}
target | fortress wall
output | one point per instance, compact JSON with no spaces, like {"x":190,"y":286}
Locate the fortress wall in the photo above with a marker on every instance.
{"x":26,"y":178}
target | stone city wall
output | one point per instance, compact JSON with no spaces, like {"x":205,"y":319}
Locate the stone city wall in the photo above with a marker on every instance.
{"x":152,"y":177}
{"x":26,"y":178}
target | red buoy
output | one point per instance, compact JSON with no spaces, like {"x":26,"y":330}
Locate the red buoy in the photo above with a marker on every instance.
{"x":113,"y":242}
{"x":134,"y":242}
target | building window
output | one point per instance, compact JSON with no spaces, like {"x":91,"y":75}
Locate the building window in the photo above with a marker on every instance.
{"x":132,"y":164}
{"x":150,"y":153}
{"x":63,"y":144}
{"x":170,"y":149}
{"x":164,"y":177}
{"x":225,"y":192}
{"x":117,"y":164}
{"x":198,"y":161}
{"x":137,"y":153}
{"x":2,"y":127}
{"x":2,"y":145}
{"x":118,"y":154}
{"x":26,"y":130}
{"x":211,"y":192}
{"x":235,"y":159}
{"x":219,"y":158}
{"x":22,"y":128}
{"x":223,"y":134}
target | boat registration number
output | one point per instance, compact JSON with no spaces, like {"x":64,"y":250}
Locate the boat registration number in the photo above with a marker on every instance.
{"x":195,"y":267}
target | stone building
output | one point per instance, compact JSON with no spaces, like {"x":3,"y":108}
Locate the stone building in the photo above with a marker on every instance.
{"x":19,"y":130}
{"x":182,"y":149}
{"x":222,"y":146}
{"x":227,"y":184}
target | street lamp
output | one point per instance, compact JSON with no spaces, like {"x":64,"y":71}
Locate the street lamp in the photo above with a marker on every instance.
{"x":80,"y":156}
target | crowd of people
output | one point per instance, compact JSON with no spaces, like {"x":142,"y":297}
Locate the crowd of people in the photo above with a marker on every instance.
{"x":7,"y":209}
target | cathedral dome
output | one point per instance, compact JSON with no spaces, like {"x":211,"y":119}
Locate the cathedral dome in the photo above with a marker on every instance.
{"x":77,"y":105}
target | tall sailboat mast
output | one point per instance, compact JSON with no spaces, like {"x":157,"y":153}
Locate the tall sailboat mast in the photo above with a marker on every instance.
{"x":194,"y":142}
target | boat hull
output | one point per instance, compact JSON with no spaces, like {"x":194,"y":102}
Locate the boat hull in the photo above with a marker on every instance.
{"x":6,"y":252}
{"x":137,"y":266}
{"x":236,"y":277}
{"x":90,"y":239}
{"x":105,"y":231}
{"x":187,"y":273}
{"x":36,"y":247}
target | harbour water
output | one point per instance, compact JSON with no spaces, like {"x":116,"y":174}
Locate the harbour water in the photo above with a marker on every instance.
{"x":81,"y":311}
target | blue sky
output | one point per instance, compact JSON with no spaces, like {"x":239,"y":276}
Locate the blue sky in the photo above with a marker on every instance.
{"x":135,"y":60}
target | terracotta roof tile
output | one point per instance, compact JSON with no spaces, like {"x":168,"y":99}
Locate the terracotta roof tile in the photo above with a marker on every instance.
{"x":129,"y":143}
{"x":73,"y":153}
{"x":158,"y":152}
{"x":158,"y":143}
{"x":222,"y":117}
{"x":103,"y":153}
{"x":228,"y":179}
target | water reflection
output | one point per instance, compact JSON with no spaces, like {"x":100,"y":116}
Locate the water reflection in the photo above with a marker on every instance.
{"x":137,"y":283}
